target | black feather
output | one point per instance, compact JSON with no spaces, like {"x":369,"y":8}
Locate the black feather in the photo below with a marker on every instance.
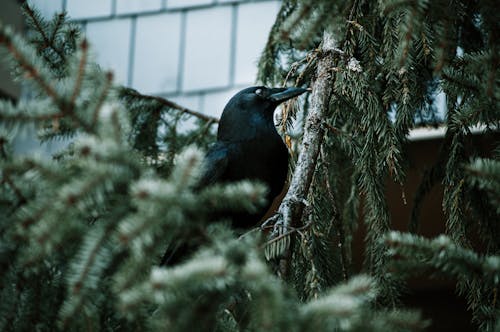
{"x":248,"y":147}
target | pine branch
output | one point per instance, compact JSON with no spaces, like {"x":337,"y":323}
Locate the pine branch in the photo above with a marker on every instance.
{"x":268,"y":59}
{"x":442,"y":256}
{"x":38,"y":24}
{"x":6,"y":40}
{"x":477,"y":275}
{"x":293,"y":21}
{"x":23,"y":56}
{"x":126,"y":92}
{"x":292,"y":206}
{"x":96,"y":219}
{"x":336,"y":220}
{"x":86,"y":271}
{"x":485,"y":175}
{"x":26,"y":111}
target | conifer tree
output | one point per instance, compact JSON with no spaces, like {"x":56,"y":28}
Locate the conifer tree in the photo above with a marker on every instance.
{"x":82,"y":232}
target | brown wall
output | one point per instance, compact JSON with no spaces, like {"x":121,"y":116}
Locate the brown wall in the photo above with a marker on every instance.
{"x":435,"y":297}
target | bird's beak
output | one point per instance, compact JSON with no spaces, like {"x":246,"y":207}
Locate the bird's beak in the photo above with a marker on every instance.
{"x":280,"y":95}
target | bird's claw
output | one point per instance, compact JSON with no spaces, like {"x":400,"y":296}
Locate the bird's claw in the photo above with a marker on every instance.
{"x":277,"y":223}
{"x":279,"y":228}
{"x":270,"y":221}
{"x":278,"y":240}
{"x":281,"y":220}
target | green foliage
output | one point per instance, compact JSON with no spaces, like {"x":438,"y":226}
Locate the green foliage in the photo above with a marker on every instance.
{"x":393,"y":59}
{"x":157,"y":127}
{"x":442,"y":257}
{"x":82,"y":233}
{"x":485,"y":175}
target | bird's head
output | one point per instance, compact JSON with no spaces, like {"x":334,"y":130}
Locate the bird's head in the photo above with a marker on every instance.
{"x":261,"y":98}
{"x":251,"y":110}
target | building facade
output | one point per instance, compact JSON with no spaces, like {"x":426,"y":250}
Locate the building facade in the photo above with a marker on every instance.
{"x":197,"y":53}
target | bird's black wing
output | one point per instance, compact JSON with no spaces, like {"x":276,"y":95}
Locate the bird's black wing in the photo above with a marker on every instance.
{"x":214,"y":164}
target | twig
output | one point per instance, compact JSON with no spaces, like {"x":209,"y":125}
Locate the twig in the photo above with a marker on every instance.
{"x":170,"y":104}
{"x":311,"y":58}
{"x":247,"y":233}
{"x":295,"y":66}
{"x":32,"y":117}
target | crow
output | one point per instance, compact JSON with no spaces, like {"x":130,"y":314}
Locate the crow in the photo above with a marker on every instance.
{"x":248,"y":147}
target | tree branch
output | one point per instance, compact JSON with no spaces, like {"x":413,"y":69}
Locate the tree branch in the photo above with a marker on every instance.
{"x":170,"y":104}
{"x":292,"y":207}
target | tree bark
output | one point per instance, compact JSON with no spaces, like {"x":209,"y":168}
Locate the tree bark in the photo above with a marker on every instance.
{"x":291,"y":209}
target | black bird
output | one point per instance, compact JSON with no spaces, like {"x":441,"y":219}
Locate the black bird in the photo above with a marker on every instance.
{"x":248,"y":147}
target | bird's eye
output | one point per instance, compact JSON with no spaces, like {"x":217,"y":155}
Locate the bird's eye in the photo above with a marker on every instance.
{"x":258,"y":92}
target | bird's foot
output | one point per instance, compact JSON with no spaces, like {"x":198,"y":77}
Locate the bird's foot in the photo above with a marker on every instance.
{"x":280,"y":228}
{"x":277,"y":223}
{"x":279,"y":239}
{"x":280,"y":222}
{"x":280,"y":236}
{"x":270,"y":222}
